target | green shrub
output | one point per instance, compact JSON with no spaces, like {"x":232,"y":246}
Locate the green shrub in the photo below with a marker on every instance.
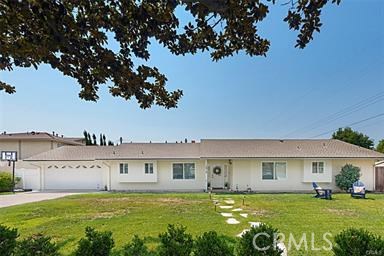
{"x":175,"y":242}
{"x":136,"y":247}
{"x":95,"y":243}
{"x":348,"y":175}
{"x":211,"y":244}
{"x":7,"y":240}
{"x":246,"y":243}
{"x":36,"y":245}
{"x":5,"y":182}
{"x":356,"y":242}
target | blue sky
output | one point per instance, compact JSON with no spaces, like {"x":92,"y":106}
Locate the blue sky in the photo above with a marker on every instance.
{"x":290,"y":93}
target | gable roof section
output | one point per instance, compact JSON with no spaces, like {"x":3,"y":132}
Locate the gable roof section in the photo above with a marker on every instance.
{"x":41,"y":136}
{"x":227,"y":149}
{"x":326,"y":148}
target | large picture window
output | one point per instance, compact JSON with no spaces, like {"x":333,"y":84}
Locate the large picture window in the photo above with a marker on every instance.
{"x":274,"y":170}
{"x":317,"y":167}
{"x":183,"y":171}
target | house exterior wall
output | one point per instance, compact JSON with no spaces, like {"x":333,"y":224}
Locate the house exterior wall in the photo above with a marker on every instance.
{"x":162,"y":180}
{"x":248,"y":174}
{"x":243,"y":174}
{"x":27,"y":148}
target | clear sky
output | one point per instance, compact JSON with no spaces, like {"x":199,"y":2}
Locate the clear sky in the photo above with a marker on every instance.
{"x":291,"y":93}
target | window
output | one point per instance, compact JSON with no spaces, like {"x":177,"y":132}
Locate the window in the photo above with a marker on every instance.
{"x":124,"y":168}
{"x":317,"y":167}
{"x":148,"y":168}
{"x":274,"y":170}
{"x":184,"y":171}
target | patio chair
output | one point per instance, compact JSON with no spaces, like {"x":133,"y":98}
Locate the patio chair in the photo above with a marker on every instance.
{"x":358,"y":190}
{"x":322,"y":193}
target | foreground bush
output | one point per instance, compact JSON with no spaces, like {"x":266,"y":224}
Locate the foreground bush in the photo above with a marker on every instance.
{"x":136,"y":247}
{"x":5,"y":182}
{"x":246,"y":243}
{"x":7,"y":240}
{"x":349,"y":174}
{"x":36,"y":245}
{"x":356,"y":242}
{"x":211,"y":244}
{"x":95,"y":243}
{"x":175,"y":242}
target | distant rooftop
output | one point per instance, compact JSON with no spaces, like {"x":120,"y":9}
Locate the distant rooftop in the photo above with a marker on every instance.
{"x":213,"y":149}
{"x":41,"y":136}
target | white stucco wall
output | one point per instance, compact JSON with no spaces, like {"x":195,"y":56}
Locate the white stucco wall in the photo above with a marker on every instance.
{"x":165,"y":181}
{"x":243,"y":174}
{"x":248,"y":173}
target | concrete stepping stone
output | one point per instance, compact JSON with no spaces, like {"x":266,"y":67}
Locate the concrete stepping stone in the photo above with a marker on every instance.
{"x":229,"y":201}
{"x":232,"y":221}
{"x":226,"y":214}
{"x":243,"y":232}
{"x":226,"y":206}
{"x":255,"y":224}
{"x":244,"y":215}
{"x":237,"y":210}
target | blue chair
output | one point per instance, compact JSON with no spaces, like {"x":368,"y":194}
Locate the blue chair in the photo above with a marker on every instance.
{"x":322,"y":193}
{"x":358,"y":190}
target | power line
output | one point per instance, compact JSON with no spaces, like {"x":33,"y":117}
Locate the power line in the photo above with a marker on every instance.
{"x":352,"y":124}
{"x":342,"y":113}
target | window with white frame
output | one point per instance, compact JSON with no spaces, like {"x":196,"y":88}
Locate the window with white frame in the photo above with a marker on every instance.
{"x":317,"y":167}
{"x":123,"y":168}
{"x":274,"y":170}
{"x":183,"y":171}
{"x":148,"y":168}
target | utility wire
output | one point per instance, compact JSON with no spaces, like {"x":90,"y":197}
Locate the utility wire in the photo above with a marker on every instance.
{"x":342,"y":113}
{"x":352,"y":124}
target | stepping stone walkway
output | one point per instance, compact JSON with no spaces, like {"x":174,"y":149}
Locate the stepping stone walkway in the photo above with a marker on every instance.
{"x":232,"y":221}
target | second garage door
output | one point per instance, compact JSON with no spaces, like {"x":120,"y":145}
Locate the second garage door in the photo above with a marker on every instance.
{"x":74,"y":178}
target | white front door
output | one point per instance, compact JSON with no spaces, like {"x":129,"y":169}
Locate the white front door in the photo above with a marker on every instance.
{"x":217,"y":176}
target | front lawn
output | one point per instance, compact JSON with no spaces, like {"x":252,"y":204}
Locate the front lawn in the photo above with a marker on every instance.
{"x":149,"y":214}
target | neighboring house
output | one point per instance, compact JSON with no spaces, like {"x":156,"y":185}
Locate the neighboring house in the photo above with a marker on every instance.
{"x":257,"y":165}
{"x":29,"y":144}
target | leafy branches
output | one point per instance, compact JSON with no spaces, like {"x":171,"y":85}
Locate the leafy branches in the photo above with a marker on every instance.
{"x":72,"y":37}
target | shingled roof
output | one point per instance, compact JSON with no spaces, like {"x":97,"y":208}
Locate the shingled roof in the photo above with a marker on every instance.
{"x":246,"y":148}
{"x":39,"y":136}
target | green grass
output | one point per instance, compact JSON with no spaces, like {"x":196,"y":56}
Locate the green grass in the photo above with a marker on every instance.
{"x":149,"y":214}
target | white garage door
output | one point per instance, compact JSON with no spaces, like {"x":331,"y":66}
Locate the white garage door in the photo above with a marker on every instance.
{"x":74,"y":178}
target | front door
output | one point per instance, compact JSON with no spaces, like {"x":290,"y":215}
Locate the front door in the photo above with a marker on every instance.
{"x":217,"y":176}
{"x":380,"y":179}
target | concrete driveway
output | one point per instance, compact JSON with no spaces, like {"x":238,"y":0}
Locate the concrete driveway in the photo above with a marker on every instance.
{"x":29,"y":197}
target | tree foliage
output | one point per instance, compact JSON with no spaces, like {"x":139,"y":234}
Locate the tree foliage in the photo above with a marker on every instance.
{"x":72,"y":37}
{"x":380,"y":146}
{"x":353,"y":137}
{"x":348,"y":175}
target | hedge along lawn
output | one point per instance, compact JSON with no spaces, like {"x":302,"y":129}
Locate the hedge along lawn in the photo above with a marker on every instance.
{"x":148,"y":215}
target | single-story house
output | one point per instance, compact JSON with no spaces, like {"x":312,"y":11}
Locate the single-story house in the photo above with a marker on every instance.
{"x":248,"y":164}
